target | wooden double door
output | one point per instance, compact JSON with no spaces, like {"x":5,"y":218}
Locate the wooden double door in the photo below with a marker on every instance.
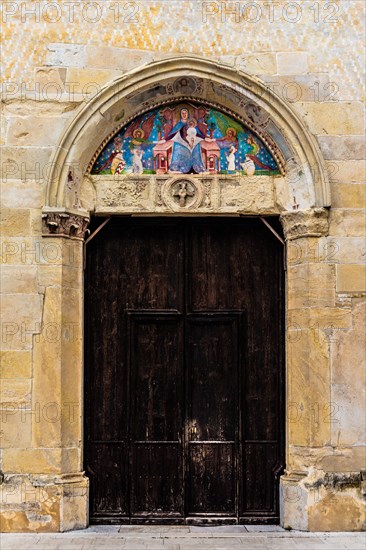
{"x":184,"y":371}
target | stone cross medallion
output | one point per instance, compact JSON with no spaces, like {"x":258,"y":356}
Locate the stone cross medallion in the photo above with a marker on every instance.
{"x":183,"y":190}
{"x":180,"y":193}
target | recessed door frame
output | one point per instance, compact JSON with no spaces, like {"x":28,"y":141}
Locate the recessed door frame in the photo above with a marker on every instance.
{"x":240,"y":319}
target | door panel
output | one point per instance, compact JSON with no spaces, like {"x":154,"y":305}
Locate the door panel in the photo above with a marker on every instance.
{"x":184,"y":370}
{"x":157,"y":486}
{"x":156,"y":366}
{"x":108,"y":470}
{"x":212,"y":350}
{"x":212,"y":482}
{"x":212,"y":368}
{"x":260,"y":463}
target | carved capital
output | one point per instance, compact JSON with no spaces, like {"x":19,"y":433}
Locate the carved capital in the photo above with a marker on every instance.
{"x":64,"y":224}
{"x":305,"y":223}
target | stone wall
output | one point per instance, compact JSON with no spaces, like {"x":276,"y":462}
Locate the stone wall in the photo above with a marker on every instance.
{"x":58,"y":57}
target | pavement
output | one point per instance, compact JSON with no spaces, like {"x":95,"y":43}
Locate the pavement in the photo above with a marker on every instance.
{"x":158,"y":537}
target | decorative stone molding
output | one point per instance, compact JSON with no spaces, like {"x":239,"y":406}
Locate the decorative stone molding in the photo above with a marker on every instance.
{"x":223,"y":86}
{"x":159,"y":194}
{"x":305,"y":223}
{"x":57,"y":223}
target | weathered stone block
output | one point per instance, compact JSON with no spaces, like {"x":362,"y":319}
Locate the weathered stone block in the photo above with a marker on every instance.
{"x":334,"y":118}
{"x":308,"y":393}
{"x":259,"y":64}
{"x":348,"y":360}
{"x":347,"y":222}
{"x":342,"y":147}
{"x":16,"y":427}
{"x":47,"y":372}
{"x":294,"y":88}
{"x":350,"y":250}
{"x":338,"y":512}
{"x":292,"y":63}
{"x":32,"y":461}
{"x":317,"y":501}
{"x":344,"y":459}
{"x":293,"y":499}
{"x":43,"y":106}
{"x":15,"y":392}
{"x":36,"y":222}
{"x":90,"y":81}
{"x":44,"y":503}
{"x":66,"y":55}
{"x":311,"y":285}
{"x":321,"y":320}
{"x":21,"y":320}
{"x":35,"y":131}
{"x":14,"y":222}
{"x":22,"y":194}
{"x":18,"y":279}
{"x":55,"y":372}
{"x":40,"y":251}
{"x":15,"y":364}
{"x":347,"y":171}
{"x":50,"y":76}
{"x":26,"y":163}
{"x":121,"y":59}
{"x":348,"y":195}
{"x":351,"y":278}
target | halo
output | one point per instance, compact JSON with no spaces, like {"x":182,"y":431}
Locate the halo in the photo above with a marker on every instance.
{"x":233,"y":131}
{"x":140,"y":130}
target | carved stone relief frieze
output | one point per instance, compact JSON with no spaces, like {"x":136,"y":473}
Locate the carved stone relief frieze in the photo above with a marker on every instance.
{"x":181,"y":194}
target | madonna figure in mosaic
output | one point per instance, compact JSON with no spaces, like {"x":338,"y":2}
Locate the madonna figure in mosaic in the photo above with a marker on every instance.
{"x":186,"y":152}
{"x":185,"y":138}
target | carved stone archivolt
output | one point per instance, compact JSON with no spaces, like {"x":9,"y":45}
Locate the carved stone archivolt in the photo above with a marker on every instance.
{"x":64,"y":224}
{"x":226,"y":88}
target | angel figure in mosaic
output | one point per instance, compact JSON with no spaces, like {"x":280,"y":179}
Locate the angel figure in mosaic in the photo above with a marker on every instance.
{"x":253,"y":152}
{"x":115,"y":161}
{"x":231,"y":159}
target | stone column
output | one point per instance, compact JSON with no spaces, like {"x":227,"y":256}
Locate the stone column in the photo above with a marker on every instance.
{"x":44,"y":487}
{"x":310,"y":488}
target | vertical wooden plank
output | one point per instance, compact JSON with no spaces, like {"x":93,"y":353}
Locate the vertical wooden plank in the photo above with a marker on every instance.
{"x":212,"y":405}
{"x":156,"y":363}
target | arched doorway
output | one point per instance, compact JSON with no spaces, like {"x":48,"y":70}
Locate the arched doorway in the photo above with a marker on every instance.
{"x":298,"y":194}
